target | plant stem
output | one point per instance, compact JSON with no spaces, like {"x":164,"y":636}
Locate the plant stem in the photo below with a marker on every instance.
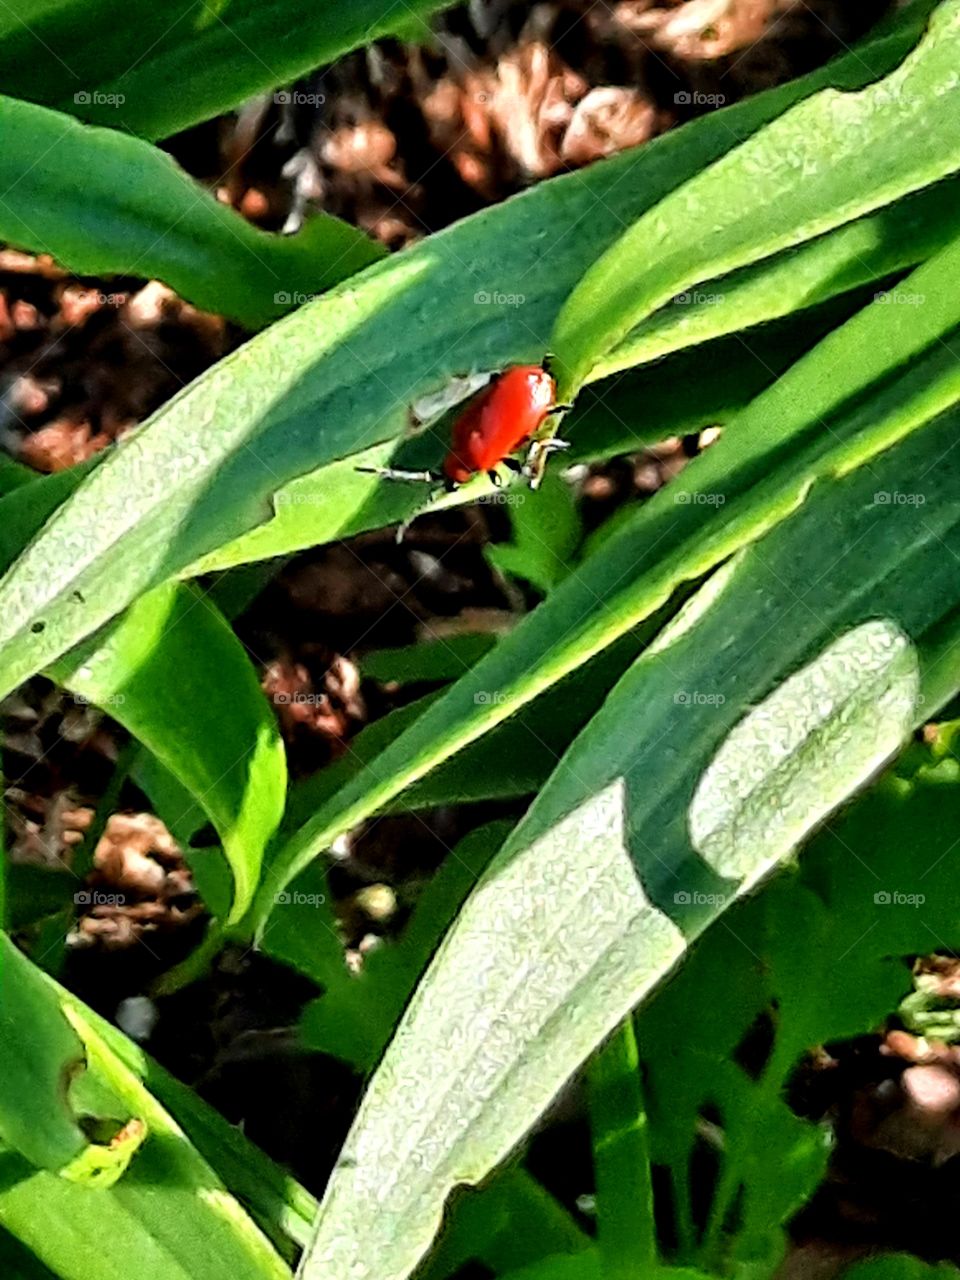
{"x":621,"y":1157}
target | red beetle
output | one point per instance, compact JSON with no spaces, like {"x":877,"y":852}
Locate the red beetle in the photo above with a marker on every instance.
{"x":506,"y":414}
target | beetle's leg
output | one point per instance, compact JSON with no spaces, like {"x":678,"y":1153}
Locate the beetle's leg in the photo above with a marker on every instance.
{"x":533,"y":463}
{"x":537,"y":456}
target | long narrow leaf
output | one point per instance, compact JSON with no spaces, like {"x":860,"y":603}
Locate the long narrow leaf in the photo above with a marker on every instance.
{"x":822,"y":164}
{"x":102,"y":203}
{"x":169,"y":1217}
{"x":39,"y":1055}
{"x":154,"y":69}
{"x":899,"y":236}
{"x":173,"y":673}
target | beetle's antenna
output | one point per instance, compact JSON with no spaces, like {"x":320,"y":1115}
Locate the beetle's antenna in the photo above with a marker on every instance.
{"x":396,"y":473}
{"x":421,"y":477}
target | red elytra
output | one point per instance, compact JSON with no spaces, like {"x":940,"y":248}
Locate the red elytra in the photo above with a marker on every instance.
{"x":499,"y":420}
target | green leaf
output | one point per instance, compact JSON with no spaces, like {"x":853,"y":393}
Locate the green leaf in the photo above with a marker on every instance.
{"x":281,"y":1207}
{"x":156,"y":69}
{"x":356,"y":1016}
{"x":430,"y":661}
{"x":181,"y":814}
{"x":26,"y":507}
{"x":514,"y":759}
{"x":583,"y":1266}
{"x":838,"y":617}
{"x":776,"y":952}
{"x":42,"y":1084}
{"x":169,"y":1217}
{"x":35,"y":891}
{"x":588,"y":1266}
{"x":303,"y":934}
{"x":19,"y":1262}
{"x":626,"y":1230}
{"x":13,"y":475}
{"x":546,"y":532}
{"x":900,"y":1266}
{"x":896,"y":237}
{"x":474,"y":1059}
{"x":210,"y":464}
{"x":822,"y":164}
{"x":683,"y":394}
{"x":705,"y":386}
{"x":513,"y":1221}
{"x":103,"y":203}
{"x":39,"y":1056}
{"x":874,"y":887}
{"x":173,"y":673}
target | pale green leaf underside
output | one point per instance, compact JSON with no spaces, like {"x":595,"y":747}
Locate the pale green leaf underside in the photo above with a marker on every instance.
{"x":570,"y":892}
{"x":795,"y":754}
